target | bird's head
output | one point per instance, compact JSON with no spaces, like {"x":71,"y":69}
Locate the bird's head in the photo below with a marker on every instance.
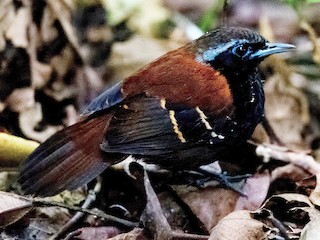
{"x":235,"y":50}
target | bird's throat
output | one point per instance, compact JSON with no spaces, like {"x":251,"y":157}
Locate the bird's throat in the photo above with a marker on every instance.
{"x":248,"y":97}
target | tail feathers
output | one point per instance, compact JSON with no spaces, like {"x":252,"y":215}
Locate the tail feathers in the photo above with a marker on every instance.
{"x":67,"y":160}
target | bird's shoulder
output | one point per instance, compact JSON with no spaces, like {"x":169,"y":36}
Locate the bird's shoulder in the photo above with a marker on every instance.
{"x":181,"y":79}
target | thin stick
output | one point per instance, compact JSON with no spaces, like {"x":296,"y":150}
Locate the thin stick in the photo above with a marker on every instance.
{"x":91,"y":197}
{"x":39,"y":202}
{"x":181,"y":236}
{"x":96,"y":212}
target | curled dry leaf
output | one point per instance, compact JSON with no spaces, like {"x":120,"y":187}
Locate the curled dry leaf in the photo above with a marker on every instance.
{"x":12,"y":208}
{"x":238,"y":225}
{"x":210,"y":204}
{"x":20,"y":99}
{"x":298,"y":158}
{"x":315,"y":195}
{"x":286,"y":109}
{"x":293,"y":199}
{"x":311,"y":230}
{"x":290,"y":171}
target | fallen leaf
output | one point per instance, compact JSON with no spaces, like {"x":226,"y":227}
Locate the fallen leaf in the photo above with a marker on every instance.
{"x":238,"y":225}
{"x":12,"y":208}
{"x":135,"y":234}
{"x":97,"y":233}
{"x":210,"y":204}
{"x":256,"y":189}
{"x":153,"y":217}
{"x":21,"y":99}
{"x":315,"y":195}
{"x":311,"y":230}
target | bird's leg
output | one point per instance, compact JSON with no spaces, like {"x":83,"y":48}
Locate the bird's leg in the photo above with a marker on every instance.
{"x":232,"y":182}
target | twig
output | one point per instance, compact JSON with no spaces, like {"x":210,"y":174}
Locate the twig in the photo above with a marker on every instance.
{"x":301,"y":159}
{"x":91,"y":197}
{"x":278,"y":224}
{"x":182,"y":236}
{"x":39,"y":202}
{"x":96,"y":212}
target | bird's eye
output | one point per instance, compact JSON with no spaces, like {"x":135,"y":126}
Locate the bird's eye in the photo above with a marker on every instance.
{"x":242,"y":50}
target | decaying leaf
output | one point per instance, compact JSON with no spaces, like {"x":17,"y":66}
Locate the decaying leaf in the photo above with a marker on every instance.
{"x":289,"y":199}
{"x":97,"y":233}
{"x":311,"y":230}
{"x":287,"y":110}
{"x":238,"y":225}
{"x":153,"y":217}
{"x":210,"y":204}
{"x":315,"y":195}
{"x":135,"y":234}
{"x":256,"y":190}
{"x":12,"y":208}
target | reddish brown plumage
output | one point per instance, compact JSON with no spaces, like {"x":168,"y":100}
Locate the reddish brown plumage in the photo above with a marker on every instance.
{"x":180,"y":79}
{"x":78,"y":158}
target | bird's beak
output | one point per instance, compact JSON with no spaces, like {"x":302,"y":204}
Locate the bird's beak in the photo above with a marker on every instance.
{"x":272,"y":48}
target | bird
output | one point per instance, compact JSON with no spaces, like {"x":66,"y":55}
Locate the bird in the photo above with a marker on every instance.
{"x":183,"y":110}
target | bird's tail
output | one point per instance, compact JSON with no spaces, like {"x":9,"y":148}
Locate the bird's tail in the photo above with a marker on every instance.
{"x":67,"y":160}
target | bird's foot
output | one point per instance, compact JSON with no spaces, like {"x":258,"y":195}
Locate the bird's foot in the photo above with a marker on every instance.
{"x":206,"y":177}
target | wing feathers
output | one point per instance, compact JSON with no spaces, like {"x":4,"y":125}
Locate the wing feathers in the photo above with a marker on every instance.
{"x":67,"y":160}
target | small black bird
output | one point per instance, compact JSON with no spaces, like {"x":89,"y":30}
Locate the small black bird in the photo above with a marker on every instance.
{"x":181,"y":111}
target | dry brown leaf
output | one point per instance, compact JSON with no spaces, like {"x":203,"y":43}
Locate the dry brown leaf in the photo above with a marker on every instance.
{"x":210,"y":204}
{"x":153,"y":217}
{"x":256,"y":189}
{"x":12,"y":208}
{"x":135,"y":234}
{"x":20,"y":99}
{"x":97,"y":233}
{"x":18,"y":30}
{"x":311,"y":230}
{"x":290,"y":198}
{"x":286,"y":110}
{"x":289,"y":171}
{"x":238,"y":225}
{"x":315,"y":195}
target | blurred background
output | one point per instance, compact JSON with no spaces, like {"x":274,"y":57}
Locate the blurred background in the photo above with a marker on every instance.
{"x":56,"y":56}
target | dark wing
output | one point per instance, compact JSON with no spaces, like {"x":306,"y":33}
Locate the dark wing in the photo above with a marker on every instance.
{"x":107,"y":99}
{"x":149,"y":126}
